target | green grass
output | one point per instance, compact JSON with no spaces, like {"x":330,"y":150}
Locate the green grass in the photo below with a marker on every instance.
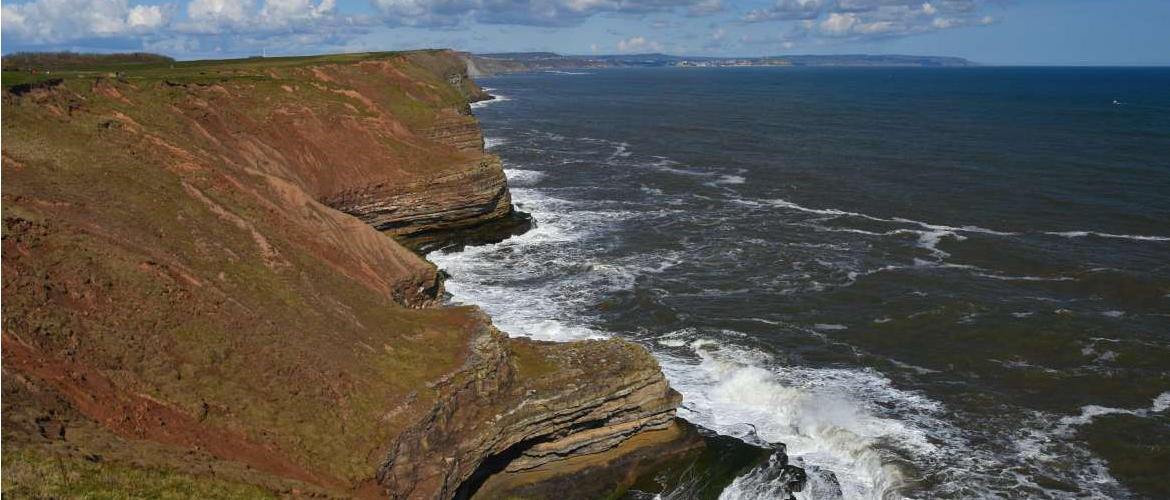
{"x":200,"y":71}
{"x":36,"y":474}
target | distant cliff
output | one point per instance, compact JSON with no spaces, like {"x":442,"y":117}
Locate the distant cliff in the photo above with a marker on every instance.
{"x":200,"y":297}
{"x":517,"y":62}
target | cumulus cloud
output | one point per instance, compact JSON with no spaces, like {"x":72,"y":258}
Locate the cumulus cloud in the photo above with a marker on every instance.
{"x":838,"y":23}
{"x":145,"y":17}
{"x":249,"y":26}
{"x":56,"y":21}
{"x":855,"y":19}
{"x":450,"y":13}
{"x":786,"y":10}
{"x":214,"y":15}
{"x":244,"y":16}
{"x":638,"y":44}
{"x":198,"y":26}
{"x":705,"y":7}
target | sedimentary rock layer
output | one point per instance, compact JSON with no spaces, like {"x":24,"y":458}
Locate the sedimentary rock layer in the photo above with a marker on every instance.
{"x":471,"y":195}
{"x":529,"y":404}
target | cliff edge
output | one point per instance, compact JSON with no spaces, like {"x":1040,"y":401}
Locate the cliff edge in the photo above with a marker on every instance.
{"x":200,"y":297}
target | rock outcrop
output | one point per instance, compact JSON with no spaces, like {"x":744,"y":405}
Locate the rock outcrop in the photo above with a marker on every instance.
{"x":529,"y":404}
{"x":197,"y":299}
{"x":474,"y":194}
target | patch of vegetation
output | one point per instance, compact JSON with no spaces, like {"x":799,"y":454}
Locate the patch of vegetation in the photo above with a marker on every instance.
{"x":38,"y":474}
{"x":61,"y":60}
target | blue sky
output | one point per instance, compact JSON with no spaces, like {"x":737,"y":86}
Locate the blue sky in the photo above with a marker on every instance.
{"x":1064,"y":32}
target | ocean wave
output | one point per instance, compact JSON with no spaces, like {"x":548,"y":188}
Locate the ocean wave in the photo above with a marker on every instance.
{"x":491,"y":142}
{"x":1083,"y":234}
{"x":854,"y":422}
{"x":621,"y":150}
{"x":933,"y":233}
{"x":520,"y":177}
{"x":828,"y":418}
{"x":725,"y":180}
{"x":1003,"y":277}
{"x":497,"y":99}
{"x":1088,"y":413}
{"x":539,"y":284}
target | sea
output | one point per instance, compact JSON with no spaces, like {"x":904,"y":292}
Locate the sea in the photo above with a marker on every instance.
{"x":928,"y":283}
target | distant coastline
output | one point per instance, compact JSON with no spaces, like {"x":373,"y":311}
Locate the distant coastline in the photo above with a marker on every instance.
{"x":519,"y":62}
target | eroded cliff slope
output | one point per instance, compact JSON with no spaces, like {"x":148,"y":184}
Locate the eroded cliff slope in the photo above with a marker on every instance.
{"x":198,"y":299}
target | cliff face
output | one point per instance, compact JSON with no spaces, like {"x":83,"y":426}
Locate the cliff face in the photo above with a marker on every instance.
{"x":531,"y":404}
{"x":197,"y":299}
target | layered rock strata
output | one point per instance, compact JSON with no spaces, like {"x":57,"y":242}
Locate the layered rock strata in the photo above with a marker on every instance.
{"x":474,"y":194}
{"x":529,"y":404}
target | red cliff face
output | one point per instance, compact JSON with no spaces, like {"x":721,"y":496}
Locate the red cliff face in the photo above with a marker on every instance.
{"x":197,"y":299}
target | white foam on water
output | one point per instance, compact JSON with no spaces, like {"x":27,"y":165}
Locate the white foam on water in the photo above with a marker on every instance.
{"x":491,"y":142}
{"x":1161,"y":403}
{"x":727,"y":180}
{"x":537,"y":284}
{"x":498,"y":98}
{"x":1088,"y":413}
{"x":827,"y":418}
{"x":820,"y":211}
{"x":929,"y":240}
{"x":929,"y":236}
{"x":669,"y":166}
{"x":1003,"y":277}
{"x":523,"y":178}
{"x":852,"y":422}
{"x":621,"y":150}
{"x":1082,"y":234}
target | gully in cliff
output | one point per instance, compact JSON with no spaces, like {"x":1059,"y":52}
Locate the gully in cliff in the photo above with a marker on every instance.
{"x":201,"y":297}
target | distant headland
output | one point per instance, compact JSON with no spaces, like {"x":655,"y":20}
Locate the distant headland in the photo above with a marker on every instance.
{"x":514,"y":62}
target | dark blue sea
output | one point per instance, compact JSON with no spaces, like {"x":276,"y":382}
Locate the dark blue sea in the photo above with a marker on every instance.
{"x":927,"y":283}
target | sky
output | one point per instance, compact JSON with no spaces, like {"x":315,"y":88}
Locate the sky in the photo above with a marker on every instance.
{"x":1013,"y":32}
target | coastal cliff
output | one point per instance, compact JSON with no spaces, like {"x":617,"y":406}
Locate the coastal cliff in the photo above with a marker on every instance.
{"x":202,"y":296}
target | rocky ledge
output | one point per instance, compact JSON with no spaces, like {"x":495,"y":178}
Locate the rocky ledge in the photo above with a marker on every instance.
{"x":198,"y":298}
{"x":522,"y":405}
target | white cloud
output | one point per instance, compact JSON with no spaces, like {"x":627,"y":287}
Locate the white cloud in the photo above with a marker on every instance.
{"x":944,"y":22}
{"x":638,"y":44}
{"x":213,"y":15}
{"x":285,"y":12}
{"x":838,"y":24}
{"x":868,"y":19}
{"x":860,"y":19}
{"x":145,"y":17}
{"x":450,"y":13}
{"x":57,"y":21}
{"x":704,"y":7}
{"x":786,"y":10}
{"x":206,"y":27}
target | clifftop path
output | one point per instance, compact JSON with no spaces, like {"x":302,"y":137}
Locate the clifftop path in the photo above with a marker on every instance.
{"x":200,"y":296}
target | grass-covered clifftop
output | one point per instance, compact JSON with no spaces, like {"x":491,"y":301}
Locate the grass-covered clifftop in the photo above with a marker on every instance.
{"x":197,"y":305}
